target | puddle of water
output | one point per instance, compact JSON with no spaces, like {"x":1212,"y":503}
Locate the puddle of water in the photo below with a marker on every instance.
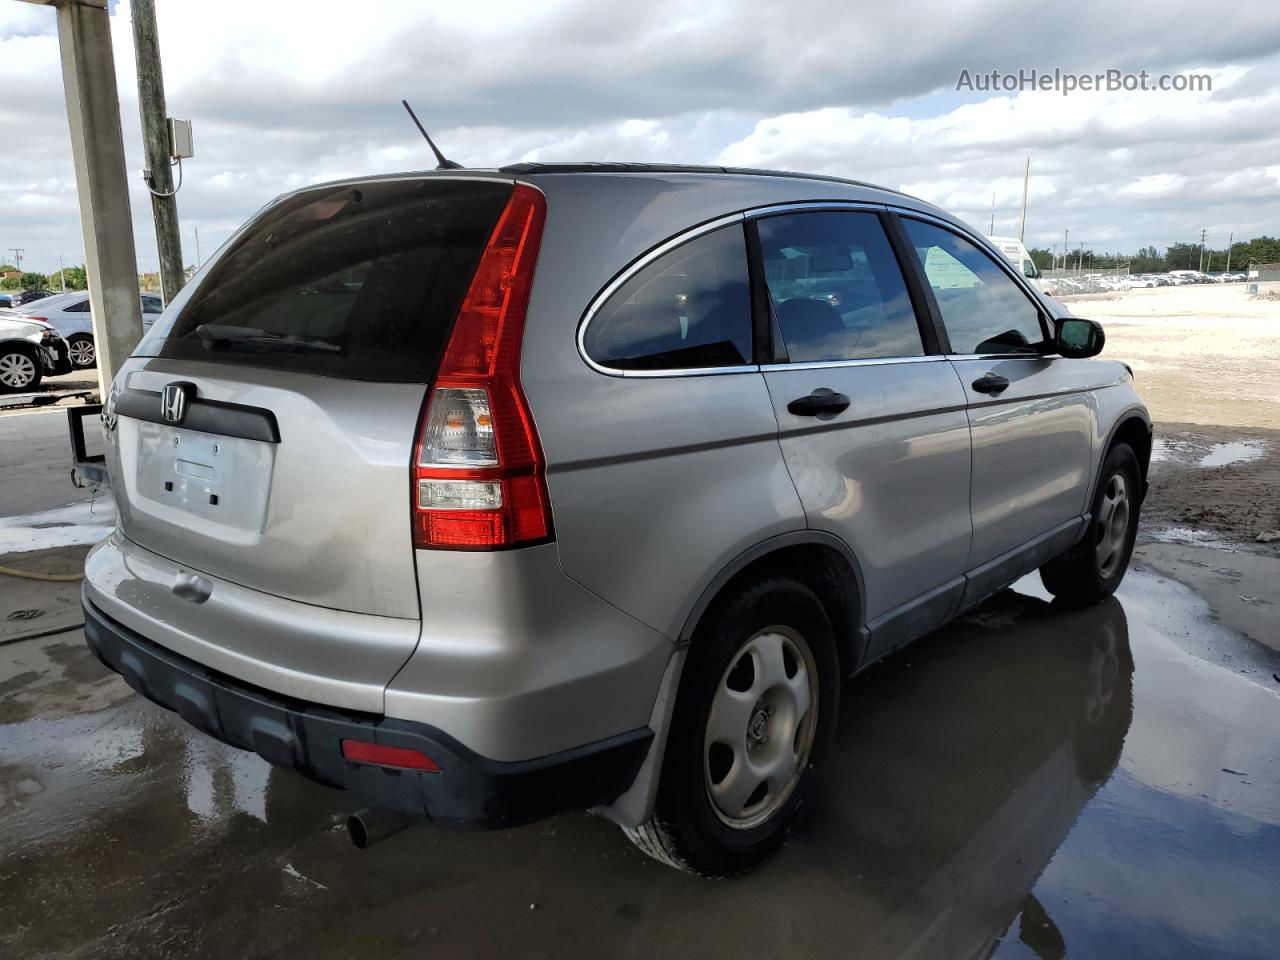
{"x":1164,"y":450}
{"x":76,"y":525}
{"x":1199,"y":538}
{"x":1238,"y":451}
{"x":1187,"y":452}
{"x":1028,"y":782}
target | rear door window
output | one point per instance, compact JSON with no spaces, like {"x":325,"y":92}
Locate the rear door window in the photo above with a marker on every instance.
{"x":361,"y":281}
{"x":836,"y":288}
{"x":689,"y":308}
{"x":983,"y":309}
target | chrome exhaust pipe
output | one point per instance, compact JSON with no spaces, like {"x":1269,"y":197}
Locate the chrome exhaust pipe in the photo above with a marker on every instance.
{"x":366,"y":827}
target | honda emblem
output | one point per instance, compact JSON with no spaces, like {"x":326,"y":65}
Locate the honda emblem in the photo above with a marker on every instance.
{"x":174,"y":400}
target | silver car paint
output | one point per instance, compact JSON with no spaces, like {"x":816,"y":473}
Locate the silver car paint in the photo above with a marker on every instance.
{"x":889,"y":475}
{"x":657,"y":485}
{"x":337,"y":488}
{"x":517,"y":661}
{"x":1032,"y":447}
{"x":312,"y":653}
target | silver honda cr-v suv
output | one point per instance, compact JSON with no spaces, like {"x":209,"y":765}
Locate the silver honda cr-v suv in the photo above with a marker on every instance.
{"x":487,"y":495}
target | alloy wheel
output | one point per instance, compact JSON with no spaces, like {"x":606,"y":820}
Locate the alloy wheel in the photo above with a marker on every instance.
{"x":83,"y":353}
{"x":17,"y":370}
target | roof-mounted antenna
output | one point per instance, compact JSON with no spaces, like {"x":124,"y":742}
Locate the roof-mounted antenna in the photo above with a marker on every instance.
{"x":443,"y":163}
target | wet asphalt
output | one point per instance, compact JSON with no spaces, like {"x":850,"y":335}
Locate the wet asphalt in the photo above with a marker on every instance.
{"x":1028,"y":782}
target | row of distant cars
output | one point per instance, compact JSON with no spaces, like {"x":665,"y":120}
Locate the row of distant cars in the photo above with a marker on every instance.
{"x":1109,"y":283}
{"x":50,"y":334}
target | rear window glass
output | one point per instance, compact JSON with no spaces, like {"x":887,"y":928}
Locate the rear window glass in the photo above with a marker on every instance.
{"x":361,"y":282}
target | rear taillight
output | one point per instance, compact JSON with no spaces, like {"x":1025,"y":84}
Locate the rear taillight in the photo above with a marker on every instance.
{"x":38,"y":319}
{"x":479,"y":480}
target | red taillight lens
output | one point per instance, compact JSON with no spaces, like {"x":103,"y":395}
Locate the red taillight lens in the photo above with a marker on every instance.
{"x":479,"y":478}
{"x":402,"y":758}
{"x":39,"y":319}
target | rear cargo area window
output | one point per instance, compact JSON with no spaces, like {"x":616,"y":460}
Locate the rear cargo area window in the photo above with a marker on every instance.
{"x":360,"y":281}
{"x":690,"y":308}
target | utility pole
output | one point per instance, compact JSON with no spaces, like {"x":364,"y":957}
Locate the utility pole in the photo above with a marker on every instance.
{"x":62,"y":273}
{"x":97,"y":149}
{"x":156,"y":146}
{"x":993,"y":213}
{"x":17,"y":257}
{"x":197,"y":248}
{"x":1066,"y":249}
{"x":1026,"y":178}
{"x":1202,"y":233}
{"x":1230,"y":241}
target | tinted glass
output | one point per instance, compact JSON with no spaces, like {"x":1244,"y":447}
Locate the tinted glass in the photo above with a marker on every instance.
{"x":837,"y":290}
{"x":689,"y":308}
{"x":983,"y":309}
{"x":361,"y":282}
{"x":81,"y":306}
{"x":152,"y":305}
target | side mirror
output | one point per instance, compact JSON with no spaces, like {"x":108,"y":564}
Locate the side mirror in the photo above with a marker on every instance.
{"x":1079,"y":338}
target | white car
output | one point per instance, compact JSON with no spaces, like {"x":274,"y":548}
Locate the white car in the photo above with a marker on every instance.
{"x":68,"y":313}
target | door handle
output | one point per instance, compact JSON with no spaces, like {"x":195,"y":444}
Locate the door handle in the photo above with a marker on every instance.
{"x":991,"y":383}
{"x":822,"y":401}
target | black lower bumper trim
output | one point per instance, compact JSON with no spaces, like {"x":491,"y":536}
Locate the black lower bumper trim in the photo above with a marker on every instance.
{"x":469,"y":790}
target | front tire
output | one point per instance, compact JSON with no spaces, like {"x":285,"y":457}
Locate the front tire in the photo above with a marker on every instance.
{"x":1091,"y":571}
{"x":19,"y":370}
{"x":756,"y":708}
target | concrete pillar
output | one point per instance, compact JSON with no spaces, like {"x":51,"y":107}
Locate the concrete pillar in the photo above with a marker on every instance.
{"x":97,"y":147}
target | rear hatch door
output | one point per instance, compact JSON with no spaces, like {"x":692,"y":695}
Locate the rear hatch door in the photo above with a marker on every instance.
{"x":266,"y":424}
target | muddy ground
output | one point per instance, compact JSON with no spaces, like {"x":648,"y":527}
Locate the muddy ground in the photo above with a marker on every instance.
{"x":1191,"y":486}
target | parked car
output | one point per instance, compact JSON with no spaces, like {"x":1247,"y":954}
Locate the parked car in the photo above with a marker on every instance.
{"x":488,"y":495}
{"x":29,"y":351}
{"x":6,"y":300}
{"x":30,"y":296}
{"x":70,"y":315}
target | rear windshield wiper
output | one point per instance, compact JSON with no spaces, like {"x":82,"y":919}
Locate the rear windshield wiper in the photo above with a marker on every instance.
{"x":217,"y":335}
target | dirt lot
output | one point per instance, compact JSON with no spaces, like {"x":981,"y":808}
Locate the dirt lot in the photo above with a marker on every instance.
{"x":1202,"y":354}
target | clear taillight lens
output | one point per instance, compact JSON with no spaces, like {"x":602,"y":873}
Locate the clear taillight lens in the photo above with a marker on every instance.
{"x":459,"y":494}
{"x":459,"y":430}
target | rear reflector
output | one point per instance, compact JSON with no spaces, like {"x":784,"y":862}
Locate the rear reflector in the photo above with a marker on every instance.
{"x":479,"y":479}
{"x":402,"y":758}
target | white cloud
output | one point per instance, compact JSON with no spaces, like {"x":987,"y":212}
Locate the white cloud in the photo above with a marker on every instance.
{"x":281,"y":98}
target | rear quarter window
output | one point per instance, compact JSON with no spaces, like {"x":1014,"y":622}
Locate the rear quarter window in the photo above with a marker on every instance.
{"x":688,"y":309}
{"x":361,"y":281}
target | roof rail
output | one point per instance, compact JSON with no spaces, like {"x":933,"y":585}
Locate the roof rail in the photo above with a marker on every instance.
{"x":528,"y":168}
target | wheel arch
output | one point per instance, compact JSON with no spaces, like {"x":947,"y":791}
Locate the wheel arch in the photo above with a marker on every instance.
{"x":1134,"y":428}
{"x":821,"y":561}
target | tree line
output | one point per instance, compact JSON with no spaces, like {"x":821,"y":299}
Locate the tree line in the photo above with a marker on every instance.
{"x":75,"y":278}
{"x":1177,"y":256}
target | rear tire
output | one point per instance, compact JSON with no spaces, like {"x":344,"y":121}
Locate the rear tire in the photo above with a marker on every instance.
{"x":755,"y":712}
{"x":83,"y":352}
{"x":1091,"y":571}
{"x":19,"y":369}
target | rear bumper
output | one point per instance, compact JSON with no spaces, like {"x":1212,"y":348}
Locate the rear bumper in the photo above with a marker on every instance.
{"x":469,"y":789}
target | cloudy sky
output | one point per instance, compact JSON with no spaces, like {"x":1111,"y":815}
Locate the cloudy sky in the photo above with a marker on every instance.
{"x":287,"y":93}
